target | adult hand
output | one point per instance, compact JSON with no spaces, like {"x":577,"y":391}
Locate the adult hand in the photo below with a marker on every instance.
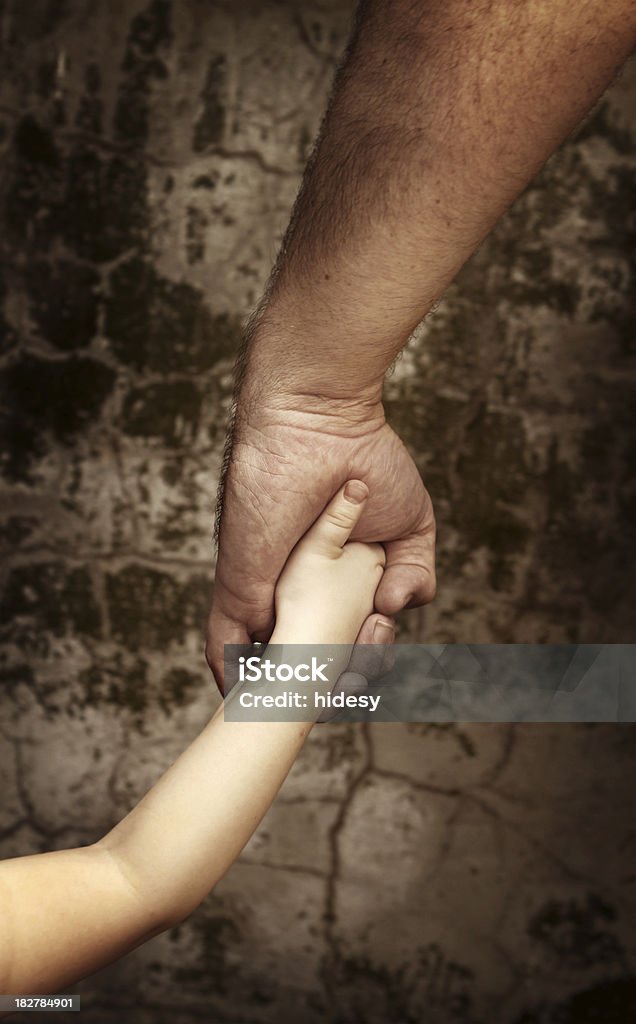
{"x":372,"y":657}
{"x":289,"y":456}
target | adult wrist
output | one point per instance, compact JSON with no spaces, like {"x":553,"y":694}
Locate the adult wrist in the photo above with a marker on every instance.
{"x":275,"y":378}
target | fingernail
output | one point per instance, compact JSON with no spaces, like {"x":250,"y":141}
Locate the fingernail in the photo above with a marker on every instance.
{"x":382,"y":632}
{"x":355,"y":492}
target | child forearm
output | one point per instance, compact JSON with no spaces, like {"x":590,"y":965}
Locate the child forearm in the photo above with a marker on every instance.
{"x":183,"y":836}
{"x":186,"y":832}
{"x":152,"y":869}
{"x":155,"y":866}
{"x":66,"y":914}
{"x":63,"y":915}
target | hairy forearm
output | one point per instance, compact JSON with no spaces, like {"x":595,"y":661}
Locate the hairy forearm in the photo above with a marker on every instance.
{"x":441,"y":113}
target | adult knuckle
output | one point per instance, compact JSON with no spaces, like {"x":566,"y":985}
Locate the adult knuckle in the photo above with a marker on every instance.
{"x":428,"y":585}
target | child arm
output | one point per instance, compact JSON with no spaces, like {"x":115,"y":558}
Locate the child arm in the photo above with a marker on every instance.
{"x":65,"y":914}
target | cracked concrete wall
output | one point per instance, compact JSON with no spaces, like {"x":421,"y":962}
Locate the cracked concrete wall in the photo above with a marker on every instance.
{"x":151,"y":152}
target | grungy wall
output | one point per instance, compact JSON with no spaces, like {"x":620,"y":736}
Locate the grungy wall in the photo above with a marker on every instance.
{"x":151,"y":152}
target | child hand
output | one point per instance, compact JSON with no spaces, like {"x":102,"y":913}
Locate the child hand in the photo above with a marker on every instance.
{"x":327,"y":587}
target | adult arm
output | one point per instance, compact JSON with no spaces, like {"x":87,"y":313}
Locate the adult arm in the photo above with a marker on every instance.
{"x":440,"y":115}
